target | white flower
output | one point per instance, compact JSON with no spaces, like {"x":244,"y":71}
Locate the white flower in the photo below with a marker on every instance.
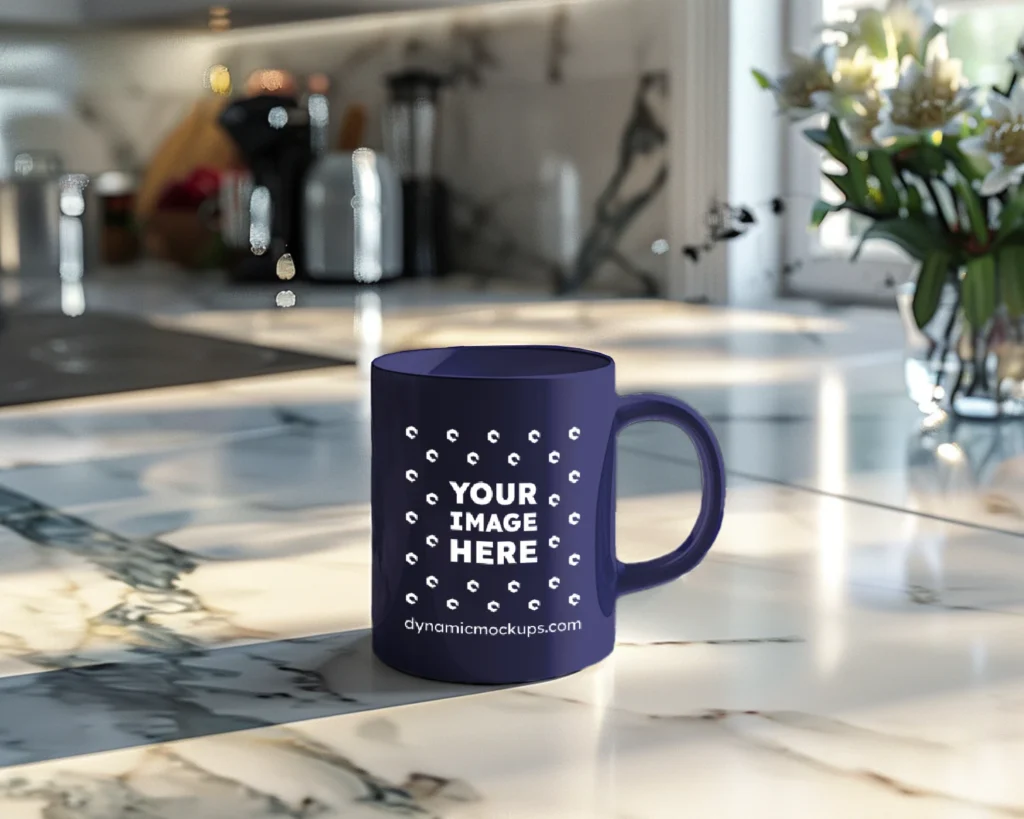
{"x":928,"y":98}
{"x":805,"y":76}
{"x":898,"y":29}
{"x":1002,"y":143}
{"x":908,"y":21}
{"x":860,"y":121}
{"x":855,"y":98}
{"x":852,"y":78}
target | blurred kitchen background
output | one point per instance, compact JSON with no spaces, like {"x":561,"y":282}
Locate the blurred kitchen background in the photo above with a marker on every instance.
{"x":604,"y":147}
{"x":524,"y":141}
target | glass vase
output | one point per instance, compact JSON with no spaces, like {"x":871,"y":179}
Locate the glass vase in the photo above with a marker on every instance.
{"x":975,"y":375}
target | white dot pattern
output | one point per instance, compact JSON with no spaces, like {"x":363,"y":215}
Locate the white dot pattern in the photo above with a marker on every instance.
{"x":513,"y":459}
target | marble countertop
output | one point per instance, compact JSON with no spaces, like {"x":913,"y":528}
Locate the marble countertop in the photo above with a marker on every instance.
{"x":184,"y":590}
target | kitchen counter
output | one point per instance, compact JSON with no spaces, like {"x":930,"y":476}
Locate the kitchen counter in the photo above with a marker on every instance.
{"x":184,"y":588}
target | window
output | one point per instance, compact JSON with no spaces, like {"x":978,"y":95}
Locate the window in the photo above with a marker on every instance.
{"x":980,"y":33}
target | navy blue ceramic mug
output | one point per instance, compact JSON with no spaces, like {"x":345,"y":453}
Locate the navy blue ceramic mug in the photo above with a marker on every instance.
{"x":493,"y":507}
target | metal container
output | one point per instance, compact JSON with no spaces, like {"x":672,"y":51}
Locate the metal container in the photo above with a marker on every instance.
{"x":352,"y":217}
{"x":234,"y":206}
{"x":30,"y":215}
{"x":410,"y":126}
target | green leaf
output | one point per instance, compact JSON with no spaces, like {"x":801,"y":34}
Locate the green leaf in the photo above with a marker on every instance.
{"x":882,"y":167}
{"x":905,"y":48}
{"x":934,"y":274}
{"x":933,"y":31}
{"x":821,"y":210}
{"x":873,"y":33}
{"x":918,"y":236}
{"x":1011,"y":216}
{"x":1010,"y":261}
{"x":819,"y":136}
{"x":857,"y":173}
{"x":924,"y":159}
{"x":838,"y":145}
{"x":979,"y":290}
{"x":967,"y":166}
{"x":975,"y":211}
{"x":915,"y":203}
{"x":835,"y":144}
{"x":762,"y":79}
{"x":846,"y":187}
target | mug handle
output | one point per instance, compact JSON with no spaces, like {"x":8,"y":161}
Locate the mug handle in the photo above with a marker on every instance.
{"x":633,"y":409}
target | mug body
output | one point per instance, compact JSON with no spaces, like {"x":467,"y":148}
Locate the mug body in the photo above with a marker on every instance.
{"x":493,"y":559}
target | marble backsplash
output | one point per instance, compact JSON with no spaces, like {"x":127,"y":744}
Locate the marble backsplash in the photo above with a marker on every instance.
{"x":552,"y":132}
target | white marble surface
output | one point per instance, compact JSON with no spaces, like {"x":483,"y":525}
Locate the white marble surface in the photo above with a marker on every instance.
{"x":184,"y":593}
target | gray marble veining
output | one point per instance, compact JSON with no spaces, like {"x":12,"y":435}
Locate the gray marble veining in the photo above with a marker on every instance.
{"x":184,"y":603}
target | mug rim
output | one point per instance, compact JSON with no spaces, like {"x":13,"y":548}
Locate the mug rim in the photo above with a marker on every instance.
{"x":386,"y":362}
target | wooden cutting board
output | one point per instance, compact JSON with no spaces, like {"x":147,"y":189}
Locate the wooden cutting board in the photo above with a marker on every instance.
{"x":198,"y":141}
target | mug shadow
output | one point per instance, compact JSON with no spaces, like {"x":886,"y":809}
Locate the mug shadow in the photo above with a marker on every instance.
{"x":155,"y":698}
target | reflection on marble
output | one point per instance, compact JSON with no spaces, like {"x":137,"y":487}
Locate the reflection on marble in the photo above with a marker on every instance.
{"x":184,"y":595}
{"x":801,"y":668}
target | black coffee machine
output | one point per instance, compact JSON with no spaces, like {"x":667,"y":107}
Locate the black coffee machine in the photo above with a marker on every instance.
{"x":272,"y":133}
{"x":410,"y":134}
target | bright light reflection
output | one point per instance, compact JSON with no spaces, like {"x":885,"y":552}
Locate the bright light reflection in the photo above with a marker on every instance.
{"x":368,"y":326}
{"x":367,"y":217}
{"x":832,"y":468}
{"x":259,"y":220}
{"x":72,"y":298}
{"x":72,"y":250}
{"x":950,"y":453}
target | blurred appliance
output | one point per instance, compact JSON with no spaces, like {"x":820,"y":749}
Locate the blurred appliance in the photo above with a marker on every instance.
{"x":410,"y":140}
{"x":273,"y":136}
{"x":353,"y":218}
{"x":30,"y":214}
{"x":235,"y":198}
{"x":113,"y":203}
{"x":49,"y":221}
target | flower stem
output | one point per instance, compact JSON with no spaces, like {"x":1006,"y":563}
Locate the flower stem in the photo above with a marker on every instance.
{"x":939,"y":210}
{"x":944,"y":343}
